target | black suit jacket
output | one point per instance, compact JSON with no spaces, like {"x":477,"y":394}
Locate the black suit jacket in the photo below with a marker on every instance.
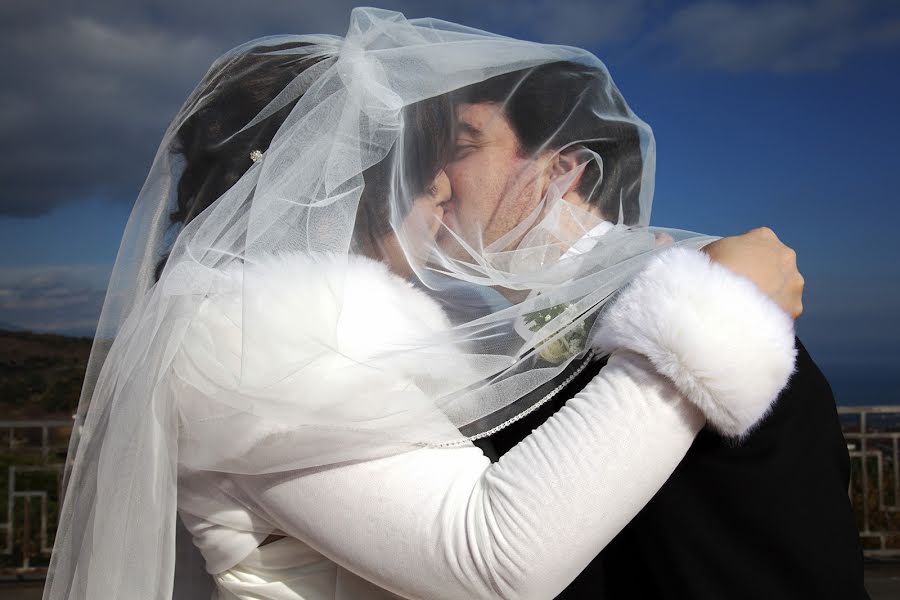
{"x":768,"y":519}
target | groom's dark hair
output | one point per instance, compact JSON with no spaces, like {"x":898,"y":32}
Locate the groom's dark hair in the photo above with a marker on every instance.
{"x":553,"y":105}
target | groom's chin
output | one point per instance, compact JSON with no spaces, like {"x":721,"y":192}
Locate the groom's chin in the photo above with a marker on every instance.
{"x":449,"y":246}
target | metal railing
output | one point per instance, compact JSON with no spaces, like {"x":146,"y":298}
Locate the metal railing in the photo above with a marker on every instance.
{"x":873,"y":437}
{"x":33,"y":455}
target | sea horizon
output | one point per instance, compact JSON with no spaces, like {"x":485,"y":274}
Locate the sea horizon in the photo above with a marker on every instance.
{"x":863,"y":385}
{"x":853,"y":384}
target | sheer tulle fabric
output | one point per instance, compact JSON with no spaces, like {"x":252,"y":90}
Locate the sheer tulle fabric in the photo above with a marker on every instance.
{"x":349,"y":109}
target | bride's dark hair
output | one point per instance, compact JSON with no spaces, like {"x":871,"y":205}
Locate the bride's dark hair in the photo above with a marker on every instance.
{"x":243,"y":89}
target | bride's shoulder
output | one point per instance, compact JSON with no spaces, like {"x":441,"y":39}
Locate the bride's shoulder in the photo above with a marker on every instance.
{"x":356,"y":299}
{"x":292,"y":307}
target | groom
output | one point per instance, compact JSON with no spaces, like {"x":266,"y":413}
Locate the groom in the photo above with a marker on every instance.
{"x":767,"y":518}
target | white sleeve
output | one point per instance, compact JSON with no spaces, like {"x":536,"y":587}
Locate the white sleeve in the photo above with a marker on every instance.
{"x":446,"y":523}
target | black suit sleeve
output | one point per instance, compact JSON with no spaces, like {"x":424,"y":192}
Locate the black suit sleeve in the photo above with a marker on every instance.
{"x":769,"y":518}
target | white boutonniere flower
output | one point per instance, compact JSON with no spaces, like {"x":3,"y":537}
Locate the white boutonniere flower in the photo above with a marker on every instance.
{"x":564,"y":345}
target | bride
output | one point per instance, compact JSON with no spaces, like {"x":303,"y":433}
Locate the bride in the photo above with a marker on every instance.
{"x":305,"y":335}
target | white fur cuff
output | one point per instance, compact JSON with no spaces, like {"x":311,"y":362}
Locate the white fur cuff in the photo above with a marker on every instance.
{"x":726,"y":345}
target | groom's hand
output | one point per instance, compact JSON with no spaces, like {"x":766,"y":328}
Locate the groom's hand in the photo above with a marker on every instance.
{"x":760,"y":256}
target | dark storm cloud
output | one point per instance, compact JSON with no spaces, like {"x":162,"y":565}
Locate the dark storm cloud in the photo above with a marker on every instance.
{"x":88,"y":93}
{"x":89,"y":87}
{"x":85,"y":102}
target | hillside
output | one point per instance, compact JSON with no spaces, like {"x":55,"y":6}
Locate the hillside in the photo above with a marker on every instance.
{"x":40,"y":374}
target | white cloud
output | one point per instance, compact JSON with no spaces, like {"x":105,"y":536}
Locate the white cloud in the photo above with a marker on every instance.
{"x":574,"y":22}
{"x":777,"y":35}
{"x":63,"y":299}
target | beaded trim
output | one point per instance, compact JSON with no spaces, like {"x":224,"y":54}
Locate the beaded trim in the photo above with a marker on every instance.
{"x":588,"y":360}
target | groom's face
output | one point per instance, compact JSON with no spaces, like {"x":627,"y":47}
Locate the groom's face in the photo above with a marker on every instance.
{"x":494,"y":185}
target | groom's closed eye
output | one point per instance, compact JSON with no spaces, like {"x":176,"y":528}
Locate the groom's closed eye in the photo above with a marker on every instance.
{"x":468,"y":140}
{"x":462,"y":150}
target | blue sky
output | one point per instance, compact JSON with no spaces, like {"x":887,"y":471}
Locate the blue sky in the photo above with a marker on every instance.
{"x":766,"y":113}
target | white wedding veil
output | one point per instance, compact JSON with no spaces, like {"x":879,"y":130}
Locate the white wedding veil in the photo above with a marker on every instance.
{"x":322,"y":145}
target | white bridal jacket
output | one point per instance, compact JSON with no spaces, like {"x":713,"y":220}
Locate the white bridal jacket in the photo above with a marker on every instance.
{"x":692,"y":343}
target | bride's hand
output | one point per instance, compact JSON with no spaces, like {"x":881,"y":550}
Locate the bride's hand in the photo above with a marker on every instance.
{"x":760,"y":256}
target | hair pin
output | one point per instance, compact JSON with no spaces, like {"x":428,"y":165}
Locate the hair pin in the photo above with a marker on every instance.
{"x":256,"y":156}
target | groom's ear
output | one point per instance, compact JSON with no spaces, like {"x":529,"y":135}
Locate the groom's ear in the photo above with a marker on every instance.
{"x":562,"y":166}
